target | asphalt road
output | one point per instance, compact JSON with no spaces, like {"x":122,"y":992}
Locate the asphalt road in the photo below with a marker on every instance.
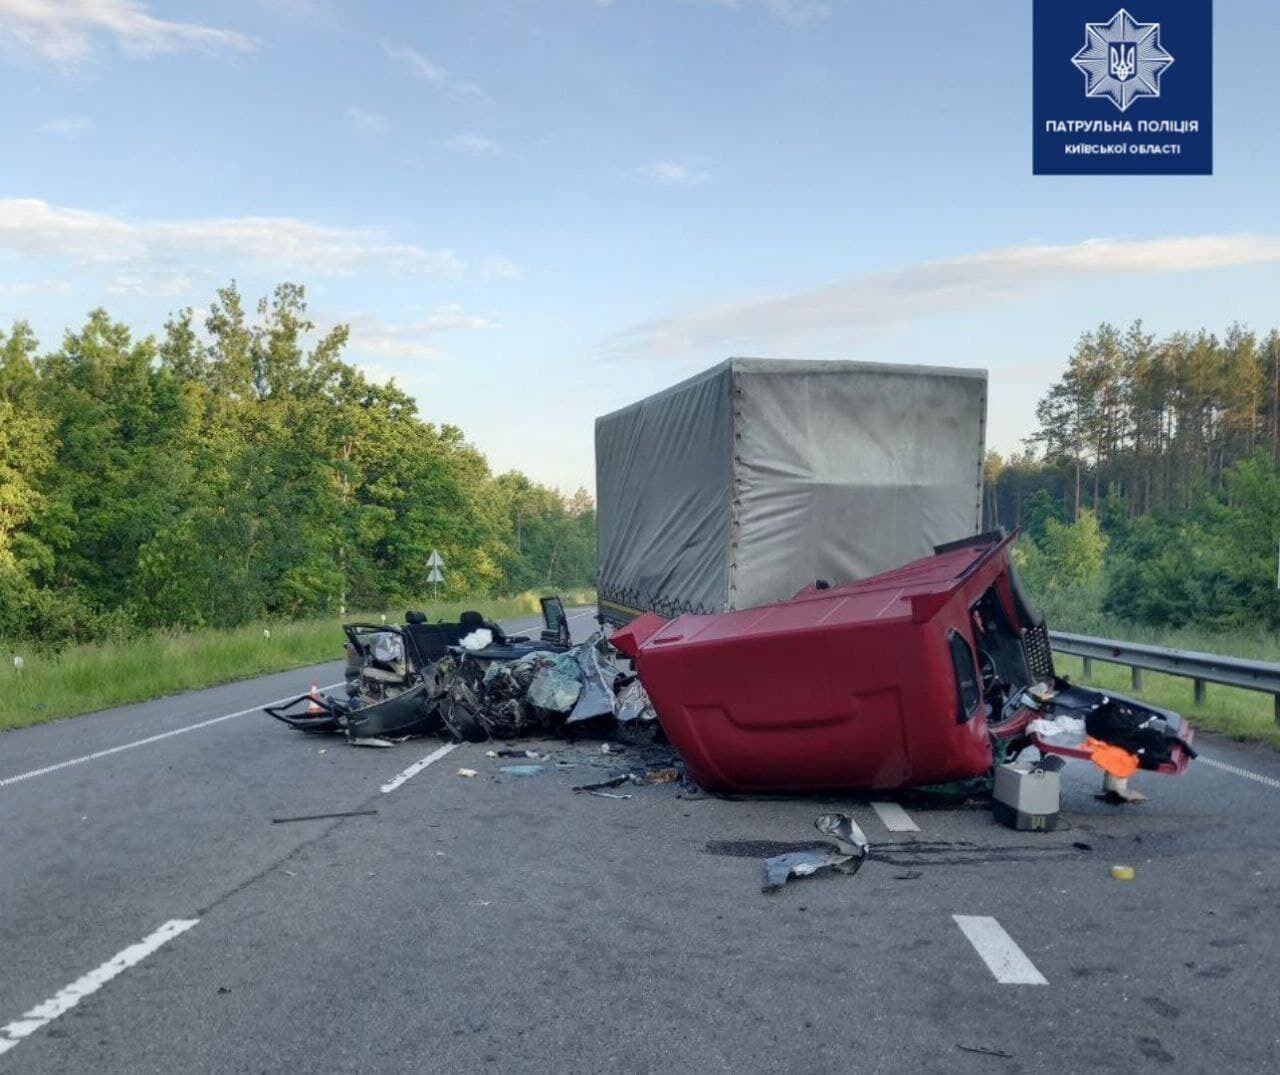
{"x":154,"y":919}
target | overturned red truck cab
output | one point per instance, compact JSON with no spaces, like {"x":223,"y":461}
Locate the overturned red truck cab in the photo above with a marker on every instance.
{"x":919,"y":676}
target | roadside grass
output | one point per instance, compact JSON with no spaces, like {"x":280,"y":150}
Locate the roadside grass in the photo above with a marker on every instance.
{"x":54,"y":683}
{"x":1243,"y":715}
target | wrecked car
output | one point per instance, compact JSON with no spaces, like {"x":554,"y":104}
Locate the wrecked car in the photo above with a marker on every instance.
{"x":926,"y":674}
{"x":470,"y":681}
{"x":399,"y":677}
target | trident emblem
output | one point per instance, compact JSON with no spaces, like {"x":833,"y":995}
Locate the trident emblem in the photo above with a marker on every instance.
{"x":1123,"y":61}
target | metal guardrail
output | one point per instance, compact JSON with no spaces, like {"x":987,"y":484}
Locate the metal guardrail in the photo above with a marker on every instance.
{"x":1200,"y":668}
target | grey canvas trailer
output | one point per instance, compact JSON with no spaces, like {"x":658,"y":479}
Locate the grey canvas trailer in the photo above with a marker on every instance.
{"x":742,"y":485}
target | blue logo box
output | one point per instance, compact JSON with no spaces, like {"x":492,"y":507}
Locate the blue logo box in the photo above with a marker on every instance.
{"x":1123,"y":87}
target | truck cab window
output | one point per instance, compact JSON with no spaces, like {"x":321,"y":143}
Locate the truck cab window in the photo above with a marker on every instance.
{"x":968,"y":690}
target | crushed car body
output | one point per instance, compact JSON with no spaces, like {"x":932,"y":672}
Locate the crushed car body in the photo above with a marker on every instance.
{"x":923,"y":675}
{"x":470,"y":681}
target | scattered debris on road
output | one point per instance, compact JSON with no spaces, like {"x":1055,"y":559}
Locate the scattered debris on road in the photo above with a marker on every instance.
{"x":613,"y":782}
{"x":321,"y":817}
{"x":521,"y":770}
{"x":981,"y":1051}
{"x":846,"y":856}
{"x":953,"y":681}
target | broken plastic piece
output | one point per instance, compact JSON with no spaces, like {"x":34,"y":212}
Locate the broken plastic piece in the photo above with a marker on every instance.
{"x":662,"y":776}
{"x":779,"y":869}
{"x":1122,"y":873}
{"x":521,"y":770}
{"x":468,"y":773}
{"x":615,"y":782}
{"x":846,"y":857}
{"x":844,"y":830}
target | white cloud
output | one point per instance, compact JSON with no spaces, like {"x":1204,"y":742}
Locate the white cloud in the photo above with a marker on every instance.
{"x":34,"y":227}
{"x":64,"y":30}
{"x":371,"y":335}
{"x":860,"y":303}
{"x":314,"y":11}
{"x":146,"y":284}
{"x":380,"y":375}
{"x":367,"y":122}
{"x":420,"y":67}
{"x":794,"y":11}
{"x":500,"y":268}
{"x":473,"y":145}
{"x":32,"y":287}
{"x":674,"y":173}
{"x":66,"y":125}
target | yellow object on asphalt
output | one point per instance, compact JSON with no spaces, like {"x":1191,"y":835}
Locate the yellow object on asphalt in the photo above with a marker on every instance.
{"x":1122,"y":873}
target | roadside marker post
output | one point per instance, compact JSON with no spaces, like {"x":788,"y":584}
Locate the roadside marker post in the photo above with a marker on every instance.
{"x":435,"y":576}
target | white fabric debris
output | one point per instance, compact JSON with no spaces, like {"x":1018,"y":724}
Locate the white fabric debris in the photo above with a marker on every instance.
{"x":480,"y":638}
{"x":1058,"y":728}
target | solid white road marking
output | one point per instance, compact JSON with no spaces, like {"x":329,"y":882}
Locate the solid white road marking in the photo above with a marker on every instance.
{"x":143,"y":742}
{"x":1269,"y":781}
{"x":67,"y":998}
{"x":1002,"y":956}
{"x":417,"y":767}
{"x":895,"y":818}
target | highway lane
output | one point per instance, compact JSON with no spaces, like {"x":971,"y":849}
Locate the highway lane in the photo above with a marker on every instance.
{"x":509,"y":924}
{"x":95,"y":853}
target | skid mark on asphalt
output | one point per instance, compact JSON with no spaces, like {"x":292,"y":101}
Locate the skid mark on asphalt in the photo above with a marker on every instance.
{"x":67,"y":998}
{"x":1268,"y":781}
{"x":894,"y":818}
{"x":417,"y":767}
{"x":45,"y":770}
{"x":1006,"y":961}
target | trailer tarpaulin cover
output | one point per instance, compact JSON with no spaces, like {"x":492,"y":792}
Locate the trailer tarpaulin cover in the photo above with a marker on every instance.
{"x":664,"y":479}
{"x":742,"y":485}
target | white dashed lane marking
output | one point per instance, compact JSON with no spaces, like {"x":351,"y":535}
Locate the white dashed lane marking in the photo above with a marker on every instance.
{"x":1235,"y":770}
{"x":417,"y":767}
{"x":998,"y":950}
{"x":67,"y":998}
{"x":894,"y":818}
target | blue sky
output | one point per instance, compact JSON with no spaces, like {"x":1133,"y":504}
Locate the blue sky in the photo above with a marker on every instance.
{"x":535,"y":211}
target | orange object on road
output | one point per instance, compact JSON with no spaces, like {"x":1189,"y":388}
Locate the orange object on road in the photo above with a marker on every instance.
{"x":1111,"y":759}
{"x":315,"y":706}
